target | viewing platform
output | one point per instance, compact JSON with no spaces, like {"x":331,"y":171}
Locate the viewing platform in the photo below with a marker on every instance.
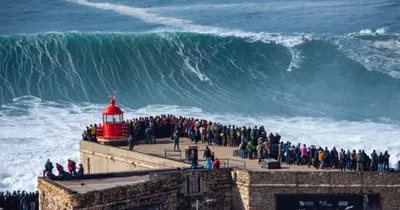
{"x":148,"y":178}
{"x":164,"y":148}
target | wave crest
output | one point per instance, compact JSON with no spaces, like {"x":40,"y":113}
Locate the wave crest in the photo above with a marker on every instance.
{"x":191,"y":69}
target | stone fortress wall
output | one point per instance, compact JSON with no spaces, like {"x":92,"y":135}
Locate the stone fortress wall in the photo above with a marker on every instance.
{"x":172,"y":190}
{"x":257,"y":189}
{"x":225,"y":188}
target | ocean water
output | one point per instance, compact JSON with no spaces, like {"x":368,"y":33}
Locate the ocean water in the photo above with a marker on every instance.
{"x":236,"y":62}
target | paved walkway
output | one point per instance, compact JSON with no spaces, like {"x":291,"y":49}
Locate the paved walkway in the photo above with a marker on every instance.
{"x":225,"y":154}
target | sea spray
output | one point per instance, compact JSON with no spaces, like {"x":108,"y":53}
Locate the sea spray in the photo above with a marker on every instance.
{"x":49,"y":129}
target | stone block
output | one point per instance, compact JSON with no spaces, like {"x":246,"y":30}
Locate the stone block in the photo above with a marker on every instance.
{"x":345,"y":178}
{"x":315,"y":178}
{"x":270,"y":164}
{"x":236,"y":152}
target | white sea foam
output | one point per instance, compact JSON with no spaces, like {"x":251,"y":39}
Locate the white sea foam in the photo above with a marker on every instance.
{"x":380,"y":55}
{"x":189,"y":26}
{"x":366,"y":32}
{"x":393,"y":45}
{"x":381,"y":30}
{"x":268,"y":6}
{"x":44,"y":130}
{"x":52,"y":130}
{"x":378,"y":31}
{"x":370,"y":53}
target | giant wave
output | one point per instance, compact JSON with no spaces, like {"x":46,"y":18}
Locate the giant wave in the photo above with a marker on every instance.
{"x":336,"y":90}
{"x":274,"y":74}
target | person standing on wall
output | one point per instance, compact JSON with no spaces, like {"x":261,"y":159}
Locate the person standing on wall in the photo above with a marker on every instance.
{"x":342,"y":160}
{"x":130,"y":142}
{"x":193,"y":160}
{"x":153,"y":131}
{"x":260,"y":151}
{"x":71,"y":167}
{"x":176,"y":140}
{"x":203,"y":134}
{"x":386,"y":162}
{"x":207,"y":153}
{"x":92,"y":132}
{"x":48,"y":167}
{"x":147,"y":134}
{"x":80,"y":173}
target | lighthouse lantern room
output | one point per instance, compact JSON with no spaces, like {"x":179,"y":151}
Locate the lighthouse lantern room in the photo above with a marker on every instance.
{"x":114,"y":129}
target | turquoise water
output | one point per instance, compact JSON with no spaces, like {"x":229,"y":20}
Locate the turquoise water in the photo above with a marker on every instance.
{"x":240,"y":62}
{"x":187,"y":54}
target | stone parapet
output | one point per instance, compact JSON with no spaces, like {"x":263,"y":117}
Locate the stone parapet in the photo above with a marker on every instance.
{"x":168,"y":190}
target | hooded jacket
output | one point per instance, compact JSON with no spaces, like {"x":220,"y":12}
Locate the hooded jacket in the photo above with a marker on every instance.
{"x":209,"y":164}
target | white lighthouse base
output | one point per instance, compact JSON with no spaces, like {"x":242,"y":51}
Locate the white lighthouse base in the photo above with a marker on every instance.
{"x":114,"y":142}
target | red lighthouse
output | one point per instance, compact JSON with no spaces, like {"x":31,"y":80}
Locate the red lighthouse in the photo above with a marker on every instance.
{"x":114,"y":129}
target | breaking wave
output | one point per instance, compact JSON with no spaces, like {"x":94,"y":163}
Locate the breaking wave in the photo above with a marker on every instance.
{"x":335,"y":90}
{"x":276,"y":74}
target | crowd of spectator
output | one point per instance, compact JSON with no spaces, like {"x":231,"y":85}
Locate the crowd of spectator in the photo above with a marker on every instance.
{"x":252,"y":142}
{"x":333,"y":159}
{"x":18,"y":200}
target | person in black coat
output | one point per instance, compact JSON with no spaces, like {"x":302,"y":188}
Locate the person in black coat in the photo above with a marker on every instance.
{"x":193,"y":160}
{"x":212,"y":158}
{"x":2,"y":200}
{"x":374,"y":160}
{"x":386,"y":157}
{"x":207,"y":153}
{"x":8,"y":201}
{"x":381,"y":160}
{"x":80,"y":173}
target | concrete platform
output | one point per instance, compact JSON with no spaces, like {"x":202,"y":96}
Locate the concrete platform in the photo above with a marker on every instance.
{"x":222,"y":153}
{"x":158,"y":149}
{"x":101,"y":184}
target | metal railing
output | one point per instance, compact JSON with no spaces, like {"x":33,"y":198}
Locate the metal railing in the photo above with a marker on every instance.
{"x":167,"y":151}
{"x":231,"y":163}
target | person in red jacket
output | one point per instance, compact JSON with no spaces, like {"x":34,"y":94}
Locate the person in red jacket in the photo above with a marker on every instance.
{"x":216,"y":163}
{"x":61,"y":173}
{"x":72,"y":167}
{"x":60,"y":169}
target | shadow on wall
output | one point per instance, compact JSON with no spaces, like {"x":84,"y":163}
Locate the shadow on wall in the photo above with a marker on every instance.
{"x":238,"y":192}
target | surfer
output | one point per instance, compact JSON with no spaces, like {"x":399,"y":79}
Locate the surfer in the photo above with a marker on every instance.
{"x":304,"y":38}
